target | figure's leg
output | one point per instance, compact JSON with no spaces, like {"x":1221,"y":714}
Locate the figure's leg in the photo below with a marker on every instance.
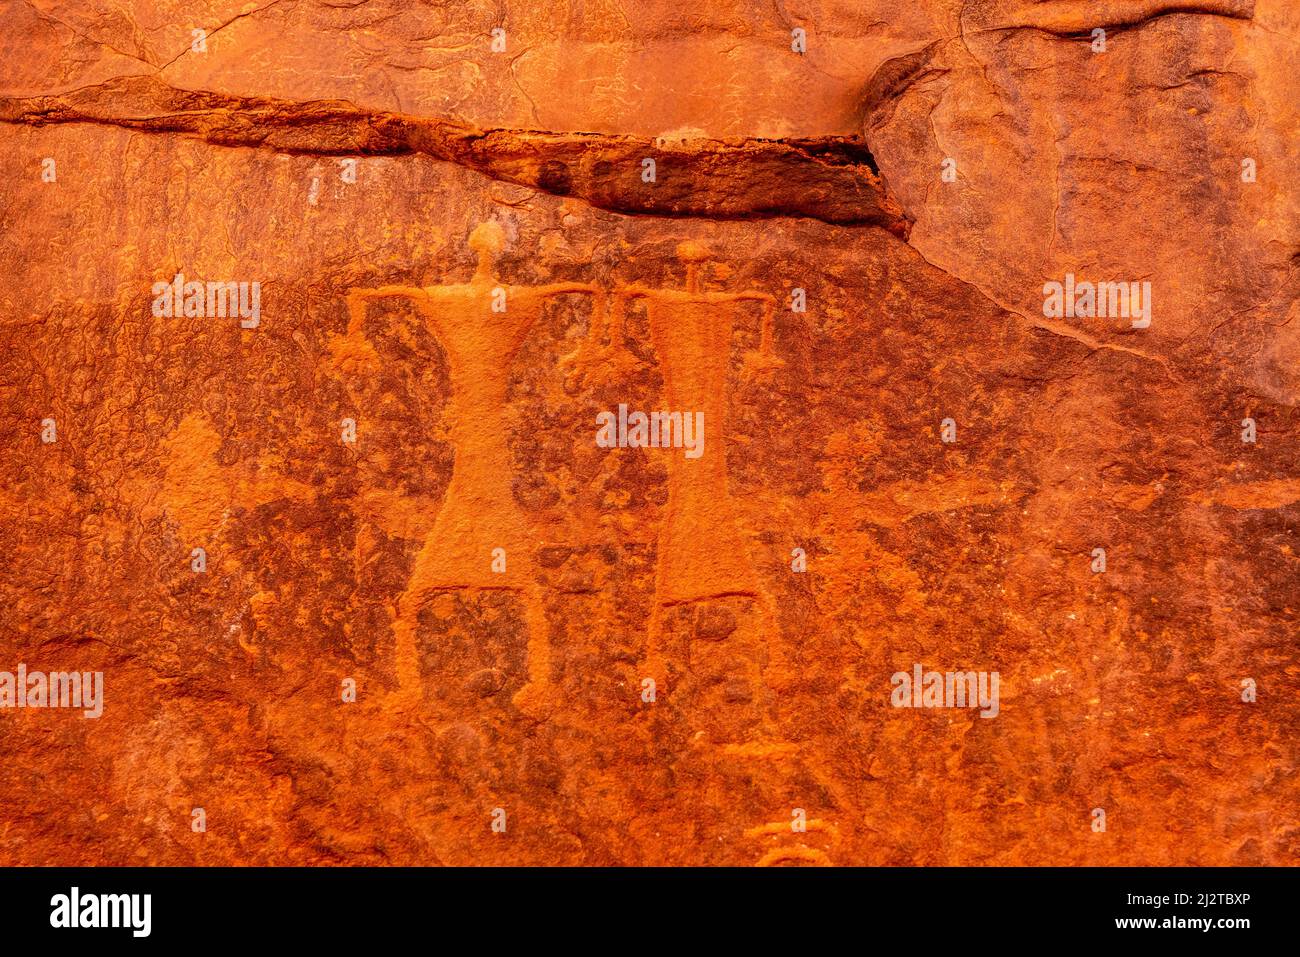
{"x":724,"y":661}
{"x":405,"y":647}
{"x":537,"y":697}
{"x":429,"y":575}
{"x":534,"y":698}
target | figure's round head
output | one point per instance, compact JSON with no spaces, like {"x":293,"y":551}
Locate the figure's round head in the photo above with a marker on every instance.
{"x":691,"y":252}
{"x":487,"y":237}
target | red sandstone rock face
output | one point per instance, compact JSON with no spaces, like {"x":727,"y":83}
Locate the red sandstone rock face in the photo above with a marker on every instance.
{"x":351,"y":463}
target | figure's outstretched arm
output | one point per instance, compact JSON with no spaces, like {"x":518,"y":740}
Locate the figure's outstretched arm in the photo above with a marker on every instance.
{"x":597,"y":293}
{"x":622,"y":296}
{"x":357,"y":299}
{"x":590,"y":288}
{"x":607,"y":320}
{"x":769,"y":317}
{"x":561,"y":288}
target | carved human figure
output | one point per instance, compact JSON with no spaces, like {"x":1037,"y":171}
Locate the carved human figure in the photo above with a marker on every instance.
{"x":701,"y":553}
{"x":480,"y":539}
{"x":703,"y":570}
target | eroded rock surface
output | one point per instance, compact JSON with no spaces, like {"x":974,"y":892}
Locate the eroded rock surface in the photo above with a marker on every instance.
{"x":393,"y":469}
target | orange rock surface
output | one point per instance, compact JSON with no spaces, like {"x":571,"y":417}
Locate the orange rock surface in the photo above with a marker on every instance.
{"x":367,"y":584}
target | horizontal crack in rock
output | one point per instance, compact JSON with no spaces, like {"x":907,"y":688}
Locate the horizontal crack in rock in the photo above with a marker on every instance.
{"x":1080,"y":17}
{"x":833,"y":179}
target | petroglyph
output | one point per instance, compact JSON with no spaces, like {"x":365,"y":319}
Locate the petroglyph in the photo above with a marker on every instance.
{"x":702,"y":553}
{"x":481,"y":539}
{"x":800,"y":852}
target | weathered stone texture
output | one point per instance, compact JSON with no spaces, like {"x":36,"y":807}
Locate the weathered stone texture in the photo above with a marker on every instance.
{"x":521,"y":688}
